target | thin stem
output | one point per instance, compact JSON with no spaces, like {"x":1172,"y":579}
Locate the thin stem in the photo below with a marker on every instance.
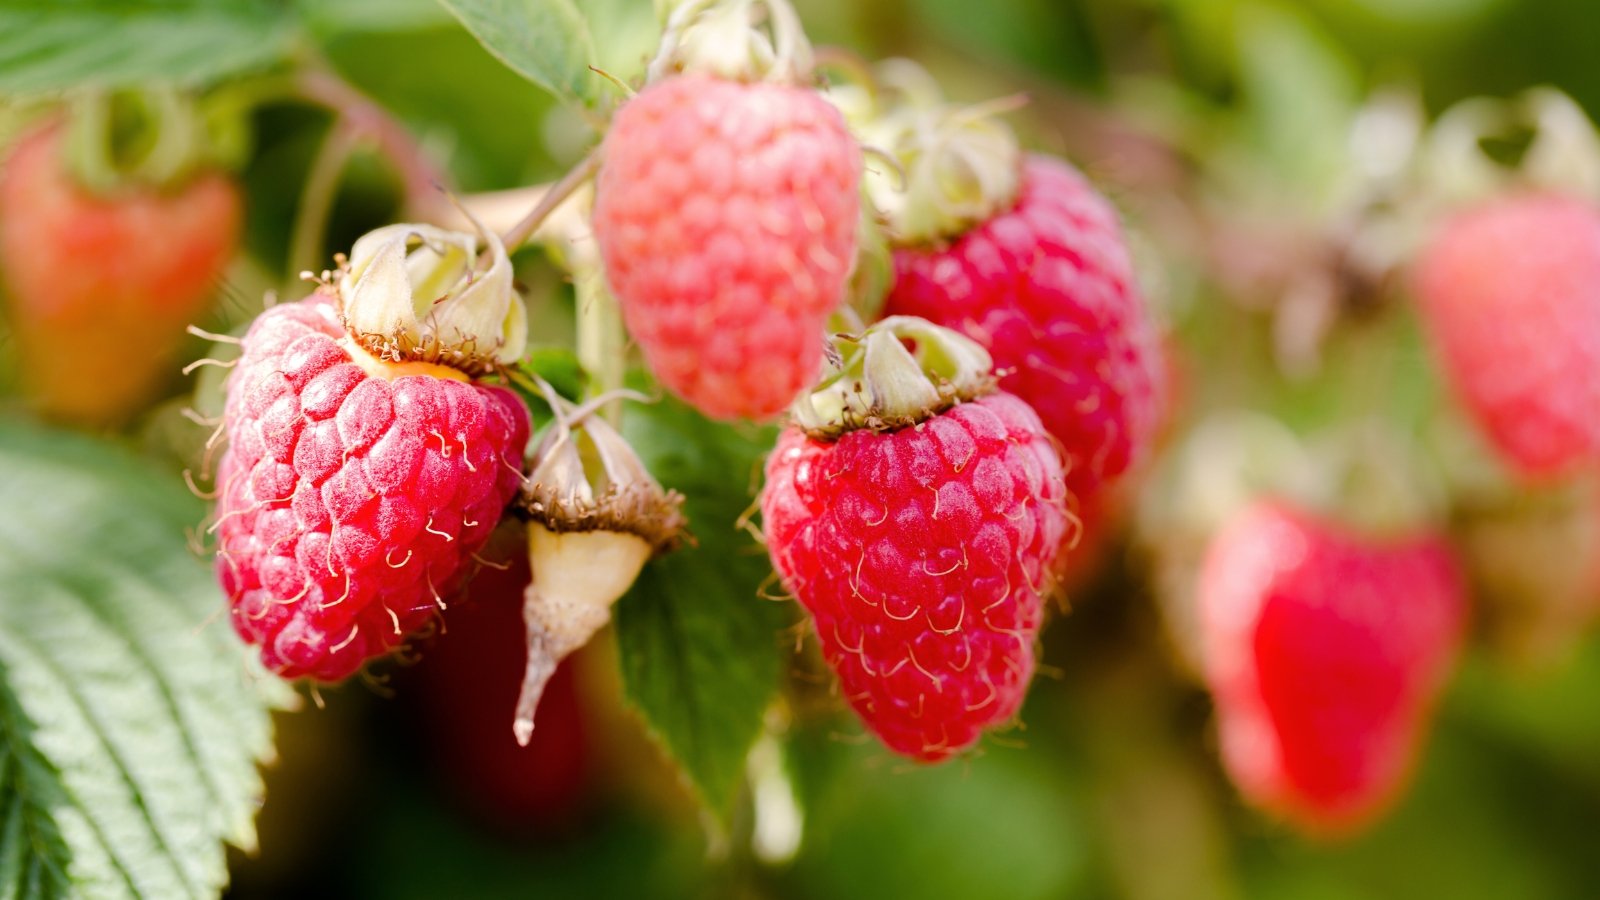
{"x":310,"y":228}
{"x":424,"y":181}
{"x":519,"y":233}
{"x":601,"y":339}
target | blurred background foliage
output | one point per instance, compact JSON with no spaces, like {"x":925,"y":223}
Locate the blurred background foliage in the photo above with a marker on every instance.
{"x":1222,"y":129}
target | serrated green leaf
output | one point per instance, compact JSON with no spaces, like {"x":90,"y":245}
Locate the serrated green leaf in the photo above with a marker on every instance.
{"x":702,"y":653}
{"x":545,"y":41}
{"x":48,"y":46}
{"x":129,"y":730}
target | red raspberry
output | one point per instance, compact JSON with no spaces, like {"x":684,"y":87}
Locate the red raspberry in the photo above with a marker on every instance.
{"x":1510,"y":293}
{"x":101,"y":287}
{"x":465,"y":689}
{"x":1324,"y":653}
{"x":726,"y":217}
{"x":352,"y":501}
{"x":921,"y":554}
{"x":1048,"y":288}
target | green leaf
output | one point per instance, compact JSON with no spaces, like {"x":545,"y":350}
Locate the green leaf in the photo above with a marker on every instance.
{"x":47,"y":46}
{"x":702,"y":652}
{"x":346,"y":16}
{"x":998,"y":825}
{"x":1301,"y":90}
{"x":129,"y":730}
{"x":545,"y":41}
{"x":632,"y":32}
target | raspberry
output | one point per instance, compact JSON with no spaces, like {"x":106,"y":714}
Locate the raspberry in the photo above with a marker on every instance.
{"x":101,"y":287}
{"x":466,"y":687}
{"x":1324,"y":653}
{"x":353,"y":491}
{"x":726,"y":217}
{"x":1510,"y":295}
{"x":921,"y":553}
{"x":1047,"y":287}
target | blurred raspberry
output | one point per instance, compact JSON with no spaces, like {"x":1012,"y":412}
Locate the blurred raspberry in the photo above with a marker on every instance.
{"x":102,"y":286}
{"x":1325,"y":653}
{"x":466,"y":687}
{"x":1510,"y":294}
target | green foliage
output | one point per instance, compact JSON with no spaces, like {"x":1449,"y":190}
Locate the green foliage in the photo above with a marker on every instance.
{"x":1000,"y":825}
{"x":1301,"y":92}
{"x":47,"y":46}
{"x":455,"y":95}
{"x":129,"y":732}
{"x":702,"y":652}
{"x":545,"y":41}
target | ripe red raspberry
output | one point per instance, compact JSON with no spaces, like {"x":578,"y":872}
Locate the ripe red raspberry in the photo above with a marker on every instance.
{"x":726,"y":217}
{"x":354,"y":492}
{"x":1510,"y":294}
{"x":921,"y":553}
{"x":101,"y":286}
{"x":1046,"y":285}
{"x":1325,"y":653}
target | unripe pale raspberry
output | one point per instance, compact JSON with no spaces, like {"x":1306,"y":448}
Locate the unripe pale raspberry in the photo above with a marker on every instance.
{"x":1047,"y":287}
{"x":100,"y":287}
{"x":1325,"y":653}
{"x":726,"y":217}
{"x":353,"y":492}
{"x":920,"y":551}
{"x":1510,"y":295}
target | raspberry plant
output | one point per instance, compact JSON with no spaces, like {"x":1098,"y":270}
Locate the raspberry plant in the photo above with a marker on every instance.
{"x":718,"y":461}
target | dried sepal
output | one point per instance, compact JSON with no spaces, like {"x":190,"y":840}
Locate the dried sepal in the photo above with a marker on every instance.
{"x":419,"y":293}
{"x":595,"y":517}
{"x":899,"y":372}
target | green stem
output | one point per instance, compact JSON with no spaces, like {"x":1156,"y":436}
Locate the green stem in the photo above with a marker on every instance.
{"x":601,"y":339}
{"x":310,"y":229}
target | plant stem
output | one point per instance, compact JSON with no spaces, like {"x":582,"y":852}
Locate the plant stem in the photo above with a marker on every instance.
{"x":310,"y":228}
{"x":519,"y":233}
{"x":424,"y":182}
{"x":601,"y":339}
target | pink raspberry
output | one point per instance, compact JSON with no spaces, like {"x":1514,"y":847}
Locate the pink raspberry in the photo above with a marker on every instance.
{"x":1046,"y":285}
{"x":351,"y":502}
{"x":921,"y":554}
{"x":1510,"y":294}
{"x":726,"y":216}
{"x":1325,"y":652}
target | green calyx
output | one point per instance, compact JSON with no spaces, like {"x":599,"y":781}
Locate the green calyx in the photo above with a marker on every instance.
{"x":152,"y":136}
{"x":958,"y":167}
{"x":878,"y":382}
{"x":948,"y":167}
{"x":726,"y":38}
